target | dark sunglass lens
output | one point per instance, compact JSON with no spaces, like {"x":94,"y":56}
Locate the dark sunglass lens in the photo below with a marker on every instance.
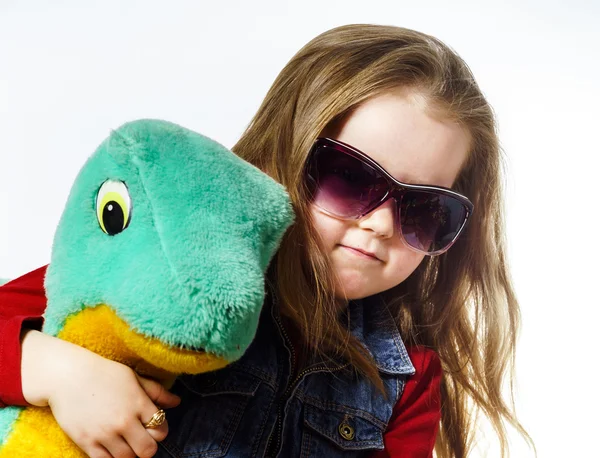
{"x":344,"y":185}
{"x":430,"y":221}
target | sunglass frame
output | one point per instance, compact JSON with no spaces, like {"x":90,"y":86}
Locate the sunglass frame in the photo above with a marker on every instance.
{"x":395,"y":189}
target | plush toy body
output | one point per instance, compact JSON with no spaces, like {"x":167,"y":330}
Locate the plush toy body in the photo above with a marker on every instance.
{"x":158,"y":262}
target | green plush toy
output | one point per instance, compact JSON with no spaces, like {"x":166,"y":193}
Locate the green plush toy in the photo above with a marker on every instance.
{"x":158,"y":262}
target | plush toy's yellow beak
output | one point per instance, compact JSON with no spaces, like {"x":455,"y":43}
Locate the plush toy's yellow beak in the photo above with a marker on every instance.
{"x":100,"y":330}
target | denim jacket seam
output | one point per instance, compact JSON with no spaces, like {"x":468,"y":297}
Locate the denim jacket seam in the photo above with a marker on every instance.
{"x":362,"y":443}
{"x":265,"y":377}
{"x":234,"y":423}
{"x":342,"y":408}
{"x":197,"y":392}
{"x":259,"y":436}
{"x":306,"y":452}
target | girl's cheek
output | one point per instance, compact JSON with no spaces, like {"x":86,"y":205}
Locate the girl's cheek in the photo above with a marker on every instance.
{"x":330,"y":229}
{"x":405,"y":262}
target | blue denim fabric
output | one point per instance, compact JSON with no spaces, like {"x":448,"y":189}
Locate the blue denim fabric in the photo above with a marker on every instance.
{"x":234,"y":412}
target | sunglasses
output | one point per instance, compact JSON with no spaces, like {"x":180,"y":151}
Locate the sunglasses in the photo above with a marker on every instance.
{"x":348,"y":184}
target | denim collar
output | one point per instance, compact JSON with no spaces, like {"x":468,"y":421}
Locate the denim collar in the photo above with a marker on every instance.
{"x":370,"y":322}
{"x":373,"y":325}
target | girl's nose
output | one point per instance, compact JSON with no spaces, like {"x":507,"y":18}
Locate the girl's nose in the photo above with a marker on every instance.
{"x":381,"y":220}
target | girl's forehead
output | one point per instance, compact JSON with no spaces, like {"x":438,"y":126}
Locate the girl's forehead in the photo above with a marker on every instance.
{"x":397,"y":130}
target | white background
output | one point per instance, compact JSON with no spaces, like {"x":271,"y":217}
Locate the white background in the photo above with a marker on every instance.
{"x":72,"y":70}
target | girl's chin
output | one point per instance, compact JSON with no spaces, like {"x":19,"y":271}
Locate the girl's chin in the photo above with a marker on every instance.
{"x":353,"y":293}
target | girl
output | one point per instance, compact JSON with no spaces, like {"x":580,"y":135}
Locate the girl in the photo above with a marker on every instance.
{"x":389,"y":313}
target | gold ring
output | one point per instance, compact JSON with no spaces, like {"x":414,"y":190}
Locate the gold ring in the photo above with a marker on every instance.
{"x":157,"y":419}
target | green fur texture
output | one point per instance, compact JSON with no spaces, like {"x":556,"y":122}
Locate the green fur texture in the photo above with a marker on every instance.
{"x":189,"y":268}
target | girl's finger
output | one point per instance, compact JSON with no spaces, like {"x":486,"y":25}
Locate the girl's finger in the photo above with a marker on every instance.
{"x":160,"y":433}
{"x":118,"y":447}
{"x":143,"y":441}
{"x":158,"y":393}
{"x":98,"y":451}
{"x":157,"y":433}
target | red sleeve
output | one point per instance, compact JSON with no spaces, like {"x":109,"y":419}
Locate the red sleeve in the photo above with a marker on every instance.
{"x":413,"y":428}
{"x":22,"y":303}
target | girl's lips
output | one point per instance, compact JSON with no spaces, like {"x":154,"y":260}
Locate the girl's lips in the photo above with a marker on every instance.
{"x":362,"y":254}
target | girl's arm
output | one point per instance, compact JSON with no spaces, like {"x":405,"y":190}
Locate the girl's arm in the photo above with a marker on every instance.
{"x":22,"y":303}
{"x":100,"y":404}
{"x":413,"y":429}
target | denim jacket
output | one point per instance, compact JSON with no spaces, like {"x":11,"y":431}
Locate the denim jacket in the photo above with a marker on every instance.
{"x":252,"y":408}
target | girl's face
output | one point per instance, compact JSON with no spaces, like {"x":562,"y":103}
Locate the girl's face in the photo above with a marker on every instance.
{"x":396,"y":131}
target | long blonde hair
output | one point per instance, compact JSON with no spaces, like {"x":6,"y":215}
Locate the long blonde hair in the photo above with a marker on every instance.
{"x":461,"y":303}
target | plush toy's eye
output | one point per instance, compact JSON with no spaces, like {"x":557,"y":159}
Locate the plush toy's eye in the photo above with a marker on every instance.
{"x":113,"y":207}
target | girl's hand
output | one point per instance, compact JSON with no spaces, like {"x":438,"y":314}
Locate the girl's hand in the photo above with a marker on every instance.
{"x":101,"y":405}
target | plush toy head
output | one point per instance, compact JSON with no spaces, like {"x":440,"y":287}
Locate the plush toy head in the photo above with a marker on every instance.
{"x":160,"y":254}
{"x":158,"y":262}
